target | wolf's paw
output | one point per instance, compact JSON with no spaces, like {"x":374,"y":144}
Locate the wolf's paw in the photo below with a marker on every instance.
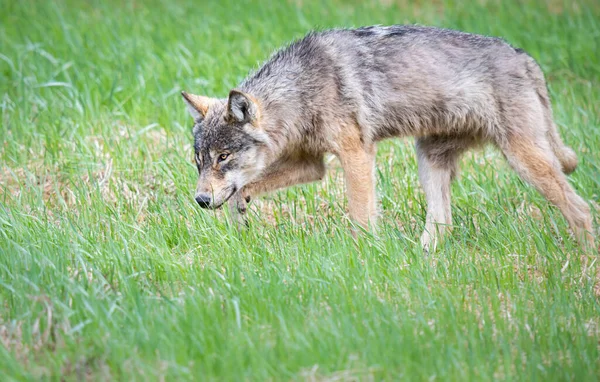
{"x":428,"y":242}
{"x":238,"y":208}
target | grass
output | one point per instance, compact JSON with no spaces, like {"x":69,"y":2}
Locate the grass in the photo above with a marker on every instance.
{"x":109,"y":271}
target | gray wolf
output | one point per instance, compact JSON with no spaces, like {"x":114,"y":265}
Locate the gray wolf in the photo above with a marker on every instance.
{"x":341,"y":91}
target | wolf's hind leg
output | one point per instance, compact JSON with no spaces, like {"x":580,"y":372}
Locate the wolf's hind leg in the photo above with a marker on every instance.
{"x":533,"y":159}
{"x":437,"y":158}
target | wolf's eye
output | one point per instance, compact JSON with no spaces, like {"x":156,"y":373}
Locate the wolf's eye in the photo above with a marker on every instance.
{"x":222,"y":157}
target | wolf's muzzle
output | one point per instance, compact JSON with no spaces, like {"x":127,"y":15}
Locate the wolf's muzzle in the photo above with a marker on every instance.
{"x":203,"y":200}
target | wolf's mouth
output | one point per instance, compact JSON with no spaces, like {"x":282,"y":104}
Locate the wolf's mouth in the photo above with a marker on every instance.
{"x":233,"y":191}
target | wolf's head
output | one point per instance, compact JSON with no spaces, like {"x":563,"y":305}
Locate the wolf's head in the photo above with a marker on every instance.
{"x":230,"y":146}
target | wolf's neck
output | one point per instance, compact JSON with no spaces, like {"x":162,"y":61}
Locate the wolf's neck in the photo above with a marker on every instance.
{"x":278,"y":87}
{"x":281,"y":121}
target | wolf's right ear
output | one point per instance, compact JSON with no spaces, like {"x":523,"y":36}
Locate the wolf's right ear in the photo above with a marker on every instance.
{"x":242,"y":107}
{"x":197,"y":105}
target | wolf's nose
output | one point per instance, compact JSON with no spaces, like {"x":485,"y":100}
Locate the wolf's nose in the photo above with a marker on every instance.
{"x":203,"y":200}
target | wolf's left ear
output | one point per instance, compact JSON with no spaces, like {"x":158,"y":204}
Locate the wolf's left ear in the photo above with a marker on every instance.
{"x":197,"y":105}
{"x":241,"y":107}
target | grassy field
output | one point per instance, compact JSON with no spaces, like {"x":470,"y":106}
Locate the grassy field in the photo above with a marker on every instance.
{"x":108,"y":269}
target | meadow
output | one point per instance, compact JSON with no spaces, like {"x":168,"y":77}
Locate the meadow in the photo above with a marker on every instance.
{"x":110,"y":271}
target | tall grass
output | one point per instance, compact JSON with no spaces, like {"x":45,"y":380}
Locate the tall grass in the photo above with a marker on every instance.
{"x":109,"y":271}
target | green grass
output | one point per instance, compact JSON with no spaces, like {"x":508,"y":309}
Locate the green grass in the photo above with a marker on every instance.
{"x":108,"y":270}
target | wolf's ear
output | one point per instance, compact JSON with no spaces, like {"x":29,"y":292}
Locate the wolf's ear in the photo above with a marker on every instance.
{"x":197,"y":105}
{"x":241,"y":107}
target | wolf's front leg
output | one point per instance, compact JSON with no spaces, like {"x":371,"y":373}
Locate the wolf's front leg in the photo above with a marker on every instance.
{"x":238,"y":207}
{"x":358,"y":163}
{"x":285,"y":174}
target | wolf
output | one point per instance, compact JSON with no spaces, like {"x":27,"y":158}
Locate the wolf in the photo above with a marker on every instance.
{"x":341,"y":91}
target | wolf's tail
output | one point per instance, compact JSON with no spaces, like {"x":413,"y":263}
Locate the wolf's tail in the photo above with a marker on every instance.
{"x":566,"y":155}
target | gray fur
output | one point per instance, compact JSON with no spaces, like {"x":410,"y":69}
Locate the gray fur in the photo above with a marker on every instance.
{"x":342,"y":91}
